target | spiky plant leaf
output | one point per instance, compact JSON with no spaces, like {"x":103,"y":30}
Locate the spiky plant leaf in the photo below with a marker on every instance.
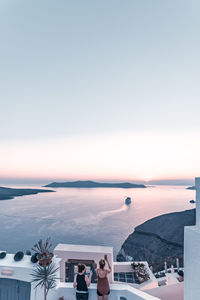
{"x":42,"y":247}
{"x":45,"y":276}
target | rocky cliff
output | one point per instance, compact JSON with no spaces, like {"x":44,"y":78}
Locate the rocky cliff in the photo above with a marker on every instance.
{"x":159,"y":239}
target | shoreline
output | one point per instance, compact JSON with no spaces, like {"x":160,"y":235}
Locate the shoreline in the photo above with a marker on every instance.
{"x":158,"y":240}
{"x":11,"y":193}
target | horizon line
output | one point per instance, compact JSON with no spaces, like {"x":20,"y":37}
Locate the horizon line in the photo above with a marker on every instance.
{"x":34,"y":180}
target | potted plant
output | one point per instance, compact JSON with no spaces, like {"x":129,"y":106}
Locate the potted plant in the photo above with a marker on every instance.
{"x":2,"y":254}
{"x":45,"y":276}
{"x":134,"y":266}
{"x":42,"y":249}
{"x":140,"y":272}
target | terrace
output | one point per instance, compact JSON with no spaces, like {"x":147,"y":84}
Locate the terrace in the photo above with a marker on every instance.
{"x":117,"y":292}
{"x":17,"y":273}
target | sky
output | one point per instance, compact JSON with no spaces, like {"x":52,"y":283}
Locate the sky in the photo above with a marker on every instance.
{"x":104,"y":90}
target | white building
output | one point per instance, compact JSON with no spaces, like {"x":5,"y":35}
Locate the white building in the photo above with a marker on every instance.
{"x":15,"y":277}
{"x":192,"y":253}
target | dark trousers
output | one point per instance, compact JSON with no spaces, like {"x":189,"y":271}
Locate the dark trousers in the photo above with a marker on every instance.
{"x":81,"y":296}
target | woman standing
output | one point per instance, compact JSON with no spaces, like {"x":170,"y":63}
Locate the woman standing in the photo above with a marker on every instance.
{"x":103,"y":288}
{"x":81,"y":283}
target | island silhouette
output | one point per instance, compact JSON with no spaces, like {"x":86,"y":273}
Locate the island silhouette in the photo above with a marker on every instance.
{"x":10,"y":193}
{"x":93,"y":184}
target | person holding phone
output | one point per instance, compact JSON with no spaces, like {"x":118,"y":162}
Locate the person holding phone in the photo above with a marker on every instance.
{"x":103,"y":288}
{"x":81,"y":283}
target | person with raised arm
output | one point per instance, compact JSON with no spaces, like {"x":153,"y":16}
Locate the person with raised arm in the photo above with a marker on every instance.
{"x":81,"y":283}
{"x":103,"y":288}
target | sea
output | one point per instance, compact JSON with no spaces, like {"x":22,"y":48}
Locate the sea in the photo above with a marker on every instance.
{"x":82,"y":216}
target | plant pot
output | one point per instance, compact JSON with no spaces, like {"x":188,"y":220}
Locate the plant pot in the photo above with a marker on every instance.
{"x":45,"y":259}
{"x":19,"y":256}
{"x":141,"y":279}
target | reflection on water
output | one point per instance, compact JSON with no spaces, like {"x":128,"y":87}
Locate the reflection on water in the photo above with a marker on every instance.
{"x":113,"y":211}
{"x":100,"y":216}
{"x":85,"y":216}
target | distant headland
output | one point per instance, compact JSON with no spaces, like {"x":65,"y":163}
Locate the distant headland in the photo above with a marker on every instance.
{"x":191,"y":188}
{"x":93,"y":184}
{"x":10,"y":193}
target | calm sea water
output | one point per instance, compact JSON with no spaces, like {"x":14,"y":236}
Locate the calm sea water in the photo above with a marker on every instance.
{"x":85,"y":216}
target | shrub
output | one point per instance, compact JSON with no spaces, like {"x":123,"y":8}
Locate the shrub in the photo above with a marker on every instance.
{"x":18,"y":256}
{"x":2,"y":255}
{"x":180,"y":273}
{"x":42,"y":249}
{"x":140,"y":272}
{"x":34,"y":258}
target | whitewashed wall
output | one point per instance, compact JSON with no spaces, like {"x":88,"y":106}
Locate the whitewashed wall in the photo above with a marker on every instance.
{"x":192,"y":254}
{"x":116,"y":291}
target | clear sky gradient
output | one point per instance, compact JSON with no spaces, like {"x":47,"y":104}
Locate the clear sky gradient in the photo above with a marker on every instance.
{"x":99,"y":89}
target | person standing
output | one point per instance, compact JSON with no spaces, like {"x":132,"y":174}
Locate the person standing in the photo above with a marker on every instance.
{"x":103,"y":288}
{"x":81,"y":283}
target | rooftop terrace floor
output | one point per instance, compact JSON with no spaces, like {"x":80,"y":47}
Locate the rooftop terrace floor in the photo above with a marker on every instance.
{"x":168,"y":292}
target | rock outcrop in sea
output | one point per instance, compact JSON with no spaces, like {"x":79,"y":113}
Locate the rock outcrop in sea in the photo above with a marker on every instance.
{"x":191,"y":187}
{"x":158,"y":240}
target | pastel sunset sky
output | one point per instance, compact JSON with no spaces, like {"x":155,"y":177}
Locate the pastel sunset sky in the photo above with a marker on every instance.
{"x":105,"y":90}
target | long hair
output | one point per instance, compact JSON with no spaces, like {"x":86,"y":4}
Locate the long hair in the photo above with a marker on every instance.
{"x":102,"y":263}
